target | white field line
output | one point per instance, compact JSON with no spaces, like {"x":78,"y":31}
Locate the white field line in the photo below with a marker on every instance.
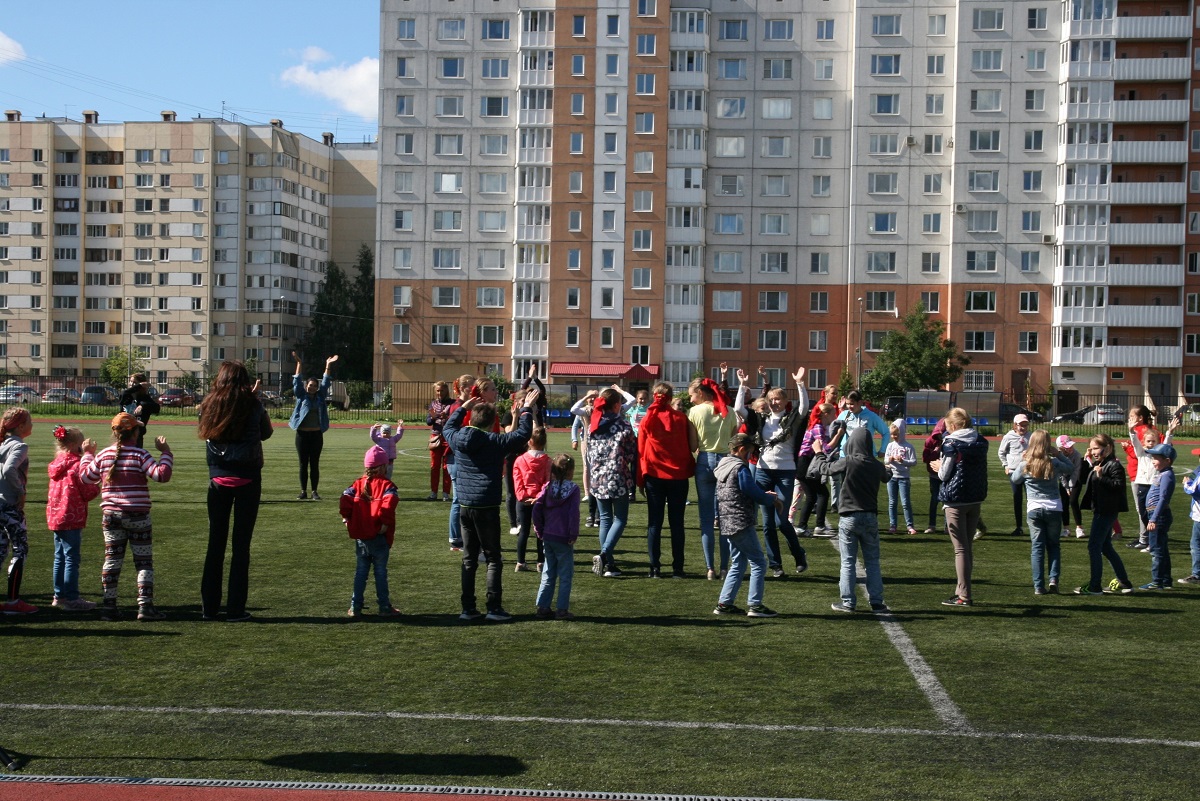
{"x":613,"y":722}
{"x":943,"y":706}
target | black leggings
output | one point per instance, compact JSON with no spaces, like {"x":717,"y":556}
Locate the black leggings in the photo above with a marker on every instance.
{"x":308,"y":447}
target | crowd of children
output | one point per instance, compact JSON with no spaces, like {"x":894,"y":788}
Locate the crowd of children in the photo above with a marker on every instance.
{"x":764,"y":459}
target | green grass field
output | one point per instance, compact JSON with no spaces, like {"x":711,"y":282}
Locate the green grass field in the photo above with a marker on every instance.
{"x":646,"y":691}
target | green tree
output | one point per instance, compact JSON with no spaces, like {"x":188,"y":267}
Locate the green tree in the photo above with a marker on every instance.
{"x":915,"y":356}
{"x":343,"y":319}
{"x":117,"y":367}
{"x":845,"y":381}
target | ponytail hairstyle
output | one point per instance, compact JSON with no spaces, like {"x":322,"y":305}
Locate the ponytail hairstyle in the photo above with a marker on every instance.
{"x":67,"y":438}
{"x":1037,"y":456}
{"x":124,"y":427}
{"x":14,"y":419}
{"x":562,"y":467}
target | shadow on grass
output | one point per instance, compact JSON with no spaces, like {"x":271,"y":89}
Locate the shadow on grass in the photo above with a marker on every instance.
{"x":373,"y":762}
{"x":99,"y":630}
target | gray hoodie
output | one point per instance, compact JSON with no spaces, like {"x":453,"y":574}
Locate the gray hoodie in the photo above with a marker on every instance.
{"x":861,"y":474}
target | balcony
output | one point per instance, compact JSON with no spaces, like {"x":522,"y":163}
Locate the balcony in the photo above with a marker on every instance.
{"x":689,"y":41}
{"x":1146,"y":234}
{"x":1150,"y":110}
{"x":532,"y":78}
{"x":679,"y":274}
{"x":1091,"y":28}
{"x":685,"y":236}
{"x":688,"y":80}
{"x":1082,"y":234}
{"x":533,"y":155}
{"x":1086,"y":70}
{"x":530,"y":349}
{"x":532,"y":272}
{"x":1144,"y":317}
{"x":537,"y":39}
{"x":687,"y":119}
{"x":673,"y":351}
{"x":1145,"y":275}
{"x":1151,"y":69}
{"x":530,"y":310}
{"x":1164,"y":193}
{"x":1087,"y":152}
{"x":1079,"y":112}
{"x":1081,"y":274}
{"x":1078,"y":357}
{"x":533,"y":194}
{"x":533,"y":233}
{"x":536,"y":116}
{"x":1153,"y":27}
{"x":1079,"y":315}
{"x":1080,"y":193}
{"x":1144,"y":356}
{"x":1149,"y":152}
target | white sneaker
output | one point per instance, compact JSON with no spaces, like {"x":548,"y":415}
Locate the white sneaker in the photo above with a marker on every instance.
{"x":1080,"y":533}
{"x":515,"y":530}
{"x":597,"y":565}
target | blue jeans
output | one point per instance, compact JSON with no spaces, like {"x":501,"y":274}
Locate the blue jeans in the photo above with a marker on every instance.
{"x":614,"y":514}
{"x":1045,"y":533}
{"x":783,"y":482}
{"x":706,"y":504}
{"x":1196,"y":549}
{"x":371,"y":554}
{"x":559,"y":566}
{"x":671,"y":494}
{"x":455,"y":510}
{"x":1100,"y":548}
{"x":1160,"y":556}
{"x":744,"y":547}
{"x":901,"y":487}
{"x":859,"y":529}
{"x":66,"y":564}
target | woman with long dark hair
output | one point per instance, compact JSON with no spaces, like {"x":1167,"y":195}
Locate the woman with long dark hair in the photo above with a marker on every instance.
{"x":234,"y":423}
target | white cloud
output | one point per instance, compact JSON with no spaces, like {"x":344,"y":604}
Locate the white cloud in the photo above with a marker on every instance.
{"x":10,"y":49}
{"x":354,"y":87}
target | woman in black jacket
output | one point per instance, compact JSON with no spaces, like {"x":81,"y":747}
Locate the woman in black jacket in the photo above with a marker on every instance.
{"x":234,"y":423}
{"x":1104,"y":494}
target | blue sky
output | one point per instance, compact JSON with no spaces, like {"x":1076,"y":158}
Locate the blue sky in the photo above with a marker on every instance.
{"x":312,"y":64}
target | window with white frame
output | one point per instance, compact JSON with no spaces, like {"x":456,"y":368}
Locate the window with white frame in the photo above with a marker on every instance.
{"x":772,"y":301}
{"x":881,"y":261}
{"x":446,"y":297}
{"x":818,"y":302}
{"x":979,"y":380}
{"x":442,"y":334}
{"x":1029,"y":302}
{"x":981,"y":261}
{"x":932,"y":301}
{"x":727,"y":339}
{"x":726,"y":300}
{"x":979,"y":342}
{"x":980,"y":300}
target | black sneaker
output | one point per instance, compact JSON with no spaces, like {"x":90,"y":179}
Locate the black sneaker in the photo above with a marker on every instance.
{"x":499,"y":616}
{"x":470,"y":614}
{"x":302,"y":496}
{"x":880,"y":607}
{"x":110,"y":613}
{"x":316,"y":496}
{"x":241,"y":617}
{"x":147,"y":612}
{"x":727,"y":609}
{"x":955,"y":600}
{"x":758,"y":610}
{"x":841,"y":606}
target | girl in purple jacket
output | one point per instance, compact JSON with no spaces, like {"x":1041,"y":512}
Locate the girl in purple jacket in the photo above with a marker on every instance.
{"x":556,"y":521}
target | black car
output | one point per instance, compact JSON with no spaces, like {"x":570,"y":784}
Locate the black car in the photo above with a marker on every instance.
{"x":1073,"y":417}
{"x":1010,"y":410}
{"x":893,"y":407}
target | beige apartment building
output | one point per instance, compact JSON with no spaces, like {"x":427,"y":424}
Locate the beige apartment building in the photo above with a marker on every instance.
{"x":185,"y":241}
{"x":582,"y":185}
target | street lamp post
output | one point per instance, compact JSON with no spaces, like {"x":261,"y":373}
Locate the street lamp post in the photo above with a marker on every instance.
{"x":858,"y":350}
{"x":129,"y":336}
{"x":282,"y":300}
{"x":382,"y":362}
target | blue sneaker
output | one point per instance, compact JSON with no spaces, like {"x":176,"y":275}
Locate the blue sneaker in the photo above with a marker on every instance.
{"x":1154,"y":585}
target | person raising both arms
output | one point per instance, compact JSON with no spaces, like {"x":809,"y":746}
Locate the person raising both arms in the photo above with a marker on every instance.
{"x":310,"y":421}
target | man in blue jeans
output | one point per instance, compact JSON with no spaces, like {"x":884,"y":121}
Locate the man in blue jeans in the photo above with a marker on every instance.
{"x":858,"y":517}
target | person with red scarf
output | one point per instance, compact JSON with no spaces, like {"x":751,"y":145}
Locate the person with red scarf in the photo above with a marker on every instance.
{"x":666,"y":441}
{"x":714,"y":422}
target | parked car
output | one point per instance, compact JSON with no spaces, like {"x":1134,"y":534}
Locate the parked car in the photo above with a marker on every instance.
{"x":99,"y":395}
{"x":19,"y":395}
{"x":1189,"y":413}
{"x":1010,"y":410}
{"x":61,"y":395}
{"x":1105,"y":413}
{"x":893,"y":407}
{"x":270,"y":398}
{"x":176,"y":396}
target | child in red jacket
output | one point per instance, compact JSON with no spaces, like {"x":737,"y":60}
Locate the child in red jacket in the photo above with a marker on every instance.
{"x":368,"y":508}
{"x":531,"y":472}
{"x":67,"y":513}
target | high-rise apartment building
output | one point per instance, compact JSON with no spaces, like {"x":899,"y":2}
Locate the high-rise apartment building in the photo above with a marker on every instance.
{"x":184,"y":241}
{"x":676,"y":185}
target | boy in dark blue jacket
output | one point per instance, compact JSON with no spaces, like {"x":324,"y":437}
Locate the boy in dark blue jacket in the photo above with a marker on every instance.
{"x":479,"y":458}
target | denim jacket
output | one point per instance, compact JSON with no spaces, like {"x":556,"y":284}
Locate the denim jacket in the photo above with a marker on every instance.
{"x":306,"y":402}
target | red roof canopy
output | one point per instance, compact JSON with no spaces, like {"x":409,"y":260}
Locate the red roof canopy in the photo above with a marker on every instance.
{"x":629,"y":372}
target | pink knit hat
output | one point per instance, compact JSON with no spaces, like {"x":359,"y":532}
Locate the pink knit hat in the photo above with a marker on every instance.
{"x":375,"y":457}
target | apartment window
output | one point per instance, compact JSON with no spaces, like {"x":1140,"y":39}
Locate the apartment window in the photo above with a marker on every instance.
{"x":774,"y":262}
{"x":726,"y":261}
{"x":446,"y":297}
{"x":643,"y":122}
{"x":404,"y":108}
{"x":937,"y":25}
{"x":1031,"y":261}
{"x":777,"y":30}
{"x":404,"y":144}
{"x":985,"y":100}
{"x":732,"y":30}
{"x":987,"y":19}
{"x":1036,"y":19}
{"x":935,"y":104}
{"x":493,"y":144}
{"x":1031,"y":180}
{"x":779,"y":185}
{"x":881,"y":261}
{"x":983,"y":221}
{"x":984,"y":141}
{"x":773,"y":224}
{"x":447,"y":258}
{"x":885,"y":25}
{"x":643,"y":200}
{"x":885,"y":64}
{"x":935,"y":64}
{"x":647,"y":43}
{"x":448,"y":106}
{"x":452,"y":67}
{"x":777,"y":108}
{"x":987,"y":60}
{"x":404,"y":67}
{"x":451,"y":29}
{"x":639,"y":317}
{"x":612,"y":65}
{"x":823,"y":69}
{"x":727,"y":339}
{"x":881,"y":104}
{"x":776,"y":146}
{"x":981,"y":301}
{"x":578,"y":65}
{"x":772,"y":339}
{"x":825,"y":30}
{"x":881,"y":222}
{"x":883,"y":144}
{"x":1030,"y":303}
{"x":822,"y":185}
{"x":932,"y":301}
{"x":574,"y":256}
{"x":1027,"y":342}
{"x":729,"y":223}
{"x":1035,"y":60}
{"x":643,"y":239}
{"x":493,"y":106}
{"x":983,"y":180}
{"x":1033,"y":141}
{"x":444,"y":334}
{"x":403,"y":220}
{"x":933,"y":144}
{"x":777,"y":69}
{"x":822,"y":147}
{"x":981,"y":261}
{"x":494,"y":29}
{"x":610,"y":143}
{"x":644,"y":83}
{"x":729,"y":146}
{"x":878,"y":183}
{"x":641,"y":278}
{"x":931,"y":183}
{"x":818,"y":341}
{"x":406,"y":29}
{"x":493,"y":221}
{"x":1035,"y":99}
{"x":727,"y":300}
{"x":494,"y":68}
{"x":819,"y":263}
{"x":979,"y":380}
{"x":818,"y":302}
{"x":979,"y":342}
{"x":1031,"y":221}
{"x":402,"y":258}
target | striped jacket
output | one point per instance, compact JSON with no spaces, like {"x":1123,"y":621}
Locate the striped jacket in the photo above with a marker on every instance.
{"x":127,"y":490}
